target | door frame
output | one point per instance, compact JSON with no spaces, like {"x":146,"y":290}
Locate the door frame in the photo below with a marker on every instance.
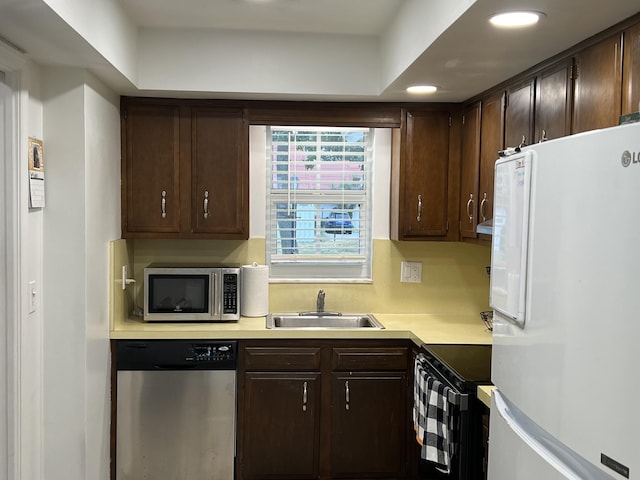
{"x":11,"y":63}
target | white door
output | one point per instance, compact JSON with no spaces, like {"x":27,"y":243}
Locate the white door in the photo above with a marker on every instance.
{"x":5,"y":138}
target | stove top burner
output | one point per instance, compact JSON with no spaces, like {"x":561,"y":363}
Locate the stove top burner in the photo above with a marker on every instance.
{"x":468,"y":363}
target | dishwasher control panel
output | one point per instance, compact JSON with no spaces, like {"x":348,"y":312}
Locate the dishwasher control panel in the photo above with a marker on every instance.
{"x":212,"y":353}
{"x":176,"y":355}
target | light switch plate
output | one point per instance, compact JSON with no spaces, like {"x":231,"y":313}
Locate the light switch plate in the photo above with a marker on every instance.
{"x":33,"y":296}
{"x":411,"y":272}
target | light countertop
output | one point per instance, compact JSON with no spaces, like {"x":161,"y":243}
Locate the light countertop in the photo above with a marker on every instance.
{"x":484,"y":394}
{"x":420,"y":328}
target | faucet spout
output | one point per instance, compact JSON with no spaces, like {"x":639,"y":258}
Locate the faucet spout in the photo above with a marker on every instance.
{"x":320,"y":302}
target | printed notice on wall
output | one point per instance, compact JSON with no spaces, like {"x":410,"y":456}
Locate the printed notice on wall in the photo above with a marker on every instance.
{"x":36,"y":173}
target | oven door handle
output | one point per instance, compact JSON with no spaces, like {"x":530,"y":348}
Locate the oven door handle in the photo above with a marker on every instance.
{"x":454,"y":397}
{"x":458,"y":399}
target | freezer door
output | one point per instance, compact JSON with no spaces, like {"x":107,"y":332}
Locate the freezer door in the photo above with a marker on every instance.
{"x":510,"y":236}
{"x":520,"y":450}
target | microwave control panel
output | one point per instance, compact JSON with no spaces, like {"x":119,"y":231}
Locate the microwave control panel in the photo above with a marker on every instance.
{"x":230,"y":283}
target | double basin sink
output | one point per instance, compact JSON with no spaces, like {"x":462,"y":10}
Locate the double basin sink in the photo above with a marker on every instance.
{"x":319,"y":320}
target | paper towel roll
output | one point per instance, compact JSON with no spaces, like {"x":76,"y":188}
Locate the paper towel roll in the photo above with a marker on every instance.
{"x":254,"y":293}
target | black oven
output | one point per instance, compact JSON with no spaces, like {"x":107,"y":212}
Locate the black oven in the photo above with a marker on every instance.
{"x":461,"y":368}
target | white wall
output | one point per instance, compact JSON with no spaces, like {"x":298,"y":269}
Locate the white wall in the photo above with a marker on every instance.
{"x":82,"y":168}
{"x":262,"y":62}
{"x":106,"y":27}
{"x":64,"y":301}
{"x":102,"y":193}
{"x":410,"y":34}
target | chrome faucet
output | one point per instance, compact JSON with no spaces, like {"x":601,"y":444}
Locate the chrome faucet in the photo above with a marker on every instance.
{"x":320,"y":302}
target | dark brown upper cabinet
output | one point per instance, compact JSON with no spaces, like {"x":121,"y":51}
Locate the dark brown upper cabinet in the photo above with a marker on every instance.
{"x":518,"y":122}
{"x":420,"y":175}
{"x":598,"y":85}
{"x":631,"y":70}
{"x":185,"y":170}
{"x":470,"y":170}
{"x":491,"y":142}
{"x":151,"y":169}
{"x":554,"y":98}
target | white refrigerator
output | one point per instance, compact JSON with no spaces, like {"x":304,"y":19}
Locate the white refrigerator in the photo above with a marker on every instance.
{"x":565,"y":289}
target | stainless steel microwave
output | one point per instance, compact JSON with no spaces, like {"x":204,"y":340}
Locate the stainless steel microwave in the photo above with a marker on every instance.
{"x":191,"y":294}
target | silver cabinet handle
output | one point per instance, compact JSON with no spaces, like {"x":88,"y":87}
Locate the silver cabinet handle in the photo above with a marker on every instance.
{"x":470,"y":202}
{"x":484,"y":200}
{"x":524,"y":142}
{"x":419,"y":218}
{"x":206,"y":204}
{"x":544,"y":136}
{"x":304,"y":397}
{"x":163,"y":204}
{"x":346,"y":395}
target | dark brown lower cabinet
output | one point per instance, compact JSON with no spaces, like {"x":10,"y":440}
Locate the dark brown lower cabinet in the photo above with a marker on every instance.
{"x":327,"y":409}
{"x":367,"y":410}
{"x":281,"y":429}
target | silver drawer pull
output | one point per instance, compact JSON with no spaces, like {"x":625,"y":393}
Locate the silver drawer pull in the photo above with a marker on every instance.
{"x":206,"y":204}
{"x":163,"y":204}
{"x":346,"y":395}
{"x":304,"y":397}
{"x":419,"y":217}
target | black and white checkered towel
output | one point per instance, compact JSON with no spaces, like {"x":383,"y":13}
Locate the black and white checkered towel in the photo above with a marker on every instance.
{"x":431,"y":418}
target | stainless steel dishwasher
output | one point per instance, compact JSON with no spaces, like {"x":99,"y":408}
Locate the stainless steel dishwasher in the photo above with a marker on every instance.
{"x":175,"y":409}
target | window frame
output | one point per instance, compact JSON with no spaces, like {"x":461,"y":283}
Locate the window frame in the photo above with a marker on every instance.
{"x":339,"y":268}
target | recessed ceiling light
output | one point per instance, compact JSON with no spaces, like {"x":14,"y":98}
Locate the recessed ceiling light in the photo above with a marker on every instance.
{"x":422,"y":89}
{"x":515,"y":19}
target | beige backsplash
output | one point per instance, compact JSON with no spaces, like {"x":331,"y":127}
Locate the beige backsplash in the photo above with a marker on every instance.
{"x":454,"y":278}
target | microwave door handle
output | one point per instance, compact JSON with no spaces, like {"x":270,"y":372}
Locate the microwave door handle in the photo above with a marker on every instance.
{"x":215,"y":296}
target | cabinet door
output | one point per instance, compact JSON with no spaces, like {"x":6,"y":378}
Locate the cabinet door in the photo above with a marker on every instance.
{"x":220,"y":172}
{"x":597,"y":96}
{"x":151,"y":169}
{"x":425,"y":172}
{"x":470,"y":170}
{"x":281,"y":425}
{"x":491,"y":142}
{"x":369,"y":425}
{"x":631,"y":70}
{"x":518,"y":123}
{"x":554,"y":96}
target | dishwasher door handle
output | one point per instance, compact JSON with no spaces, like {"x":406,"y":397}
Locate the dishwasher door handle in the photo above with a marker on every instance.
{"x":173,"y":367}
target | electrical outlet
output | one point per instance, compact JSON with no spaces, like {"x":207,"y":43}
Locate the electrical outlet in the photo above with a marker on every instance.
{"x":411,"y":272}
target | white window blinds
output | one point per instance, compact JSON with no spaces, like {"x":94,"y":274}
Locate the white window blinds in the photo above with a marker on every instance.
{"x":319,"y":205}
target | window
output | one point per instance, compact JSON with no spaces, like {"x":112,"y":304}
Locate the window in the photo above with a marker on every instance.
{"x":319,"y":203}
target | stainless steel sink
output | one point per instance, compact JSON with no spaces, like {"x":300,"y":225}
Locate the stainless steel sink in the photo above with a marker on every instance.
{"x":319,"y":321}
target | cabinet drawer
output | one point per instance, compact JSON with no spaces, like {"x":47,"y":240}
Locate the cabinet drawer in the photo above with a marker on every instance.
{"x":282,"y":358}
{"x":368,"y":358}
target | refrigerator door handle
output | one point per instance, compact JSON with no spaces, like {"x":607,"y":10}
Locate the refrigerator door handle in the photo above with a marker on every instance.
{"x":559,"y":456}
{"x":509,"y":243}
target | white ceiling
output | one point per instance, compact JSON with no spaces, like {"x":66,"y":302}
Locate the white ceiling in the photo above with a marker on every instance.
{"x":465,"y":59}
